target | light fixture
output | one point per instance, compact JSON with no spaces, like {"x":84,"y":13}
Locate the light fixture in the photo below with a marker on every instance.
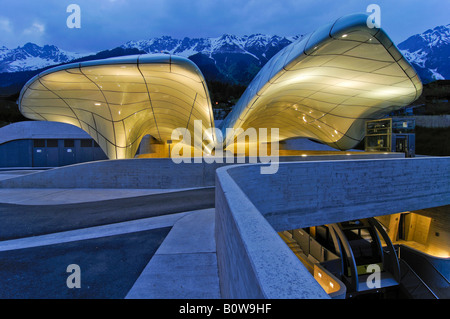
{"x":344,"y":35}
{"x":97,"y":104}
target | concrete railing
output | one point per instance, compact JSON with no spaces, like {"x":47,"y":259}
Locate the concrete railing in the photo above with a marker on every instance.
{"x":251,"y":208}
{"x":157,"y":173}
{"x":253,"y":260}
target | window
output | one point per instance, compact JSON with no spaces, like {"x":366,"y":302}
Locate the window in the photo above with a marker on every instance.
{"x":52,"y":143}
{"x":69,"y":143}
{"x":86,"y":143}
{"x":39,"y":143}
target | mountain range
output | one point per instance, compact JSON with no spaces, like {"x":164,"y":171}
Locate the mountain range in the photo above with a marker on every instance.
{"x":429,"y":53}
{"x":229,"y":58}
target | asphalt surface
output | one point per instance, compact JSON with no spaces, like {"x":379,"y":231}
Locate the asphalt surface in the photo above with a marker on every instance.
{"x":18,"y":221}
{"x":109,"y":266}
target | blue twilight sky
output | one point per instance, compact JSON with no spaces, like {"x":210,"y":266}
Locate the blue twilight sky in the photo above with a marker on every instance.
{"x":106,"y":24}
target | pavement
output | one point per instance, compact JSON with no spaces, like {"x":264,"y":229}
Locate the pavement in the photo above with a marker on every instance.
{"x":132,"y":244}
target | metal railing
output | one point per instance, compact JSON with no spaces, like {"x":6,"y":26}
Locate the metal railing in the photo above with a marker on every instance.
{"x":425,"y":269}
{"x":413,"y":284}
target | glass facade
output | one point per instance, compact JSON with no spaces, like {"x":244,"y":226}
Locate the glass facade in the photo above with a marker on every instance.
{"x":324,"y":86}
{"x":327,"y":84}
{"x":119,"y":101}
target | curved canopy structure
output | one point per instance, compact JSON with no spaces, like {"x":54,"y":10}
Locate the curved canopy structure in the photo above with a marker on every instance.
{"x":327,"y":84}
{"x":323,"y":87}
{"x":120,"y":100}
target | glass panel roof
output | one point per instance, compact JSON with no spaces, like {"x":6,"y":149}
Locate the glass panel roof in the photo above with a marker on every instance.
{"x":119,"y":101}
{"x":323,"y":86}
{"x":340,"y":75}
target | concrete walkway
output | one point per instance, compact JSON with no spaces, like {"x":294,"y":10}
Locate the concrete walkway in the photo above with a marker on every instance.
{"x":58,"y":196}
{"x":12,"y":173}
{"x":184,"y":266}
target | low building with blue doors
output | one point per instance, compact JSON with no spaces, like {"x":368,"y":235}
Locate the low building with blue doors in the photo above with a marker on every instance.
{"x":46,"y":144}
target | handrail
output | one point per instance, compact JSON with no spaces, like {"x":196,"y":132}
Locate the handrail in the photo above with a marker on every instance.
{"x":393,"y":258}
{"x":419,"y":255}
{"x":350,"y":258}
{"x":402,"y":262}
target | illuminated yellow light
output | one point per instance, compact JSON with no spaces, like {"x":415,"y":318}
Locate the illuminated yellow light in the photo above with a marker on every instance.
{"x":304,"y":155}
{"x":316,"y":85}
{"x":331,"y":285}
{"x":437,"y":252}
{"x":319,"y":274}
{"x":350,"y":84}
{"x":175,"y":90}
{"x":324,"y":85}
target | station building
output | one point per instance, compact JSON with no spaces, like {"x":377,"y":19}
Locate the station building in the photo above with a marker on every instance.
{"x":279,"y":235}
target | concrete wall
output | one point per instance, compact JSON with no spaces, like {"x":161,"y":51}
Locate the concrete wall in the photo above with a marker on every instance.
{"x":439,"y":235}
{"x":431,"y":121}
{"x":251,"y":208}
{"x":127,"y":173}
{"x":302,"y":194}
{"x":160,"y":173}
{"x":253,"y":260}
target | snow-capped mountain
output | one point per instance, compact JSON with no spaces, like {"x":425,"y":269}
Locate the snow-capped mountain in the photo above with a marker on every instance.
{"x":228,"y":58}
{"x":33,"y":57}
{"x":257,"y":45}
{"x":429,"y":53}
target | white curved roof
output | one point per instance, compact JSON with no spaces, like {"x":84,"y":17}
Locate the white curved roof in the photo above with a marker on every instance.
{"x":120,"y":100}
{"x":322,"y":87}
{"x":326,"y":85}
